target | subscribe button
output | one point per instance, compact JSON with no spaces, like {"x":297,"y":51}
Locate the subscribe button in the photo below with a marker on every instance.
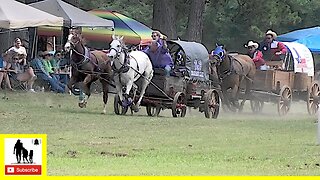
{"x":23,"y":170}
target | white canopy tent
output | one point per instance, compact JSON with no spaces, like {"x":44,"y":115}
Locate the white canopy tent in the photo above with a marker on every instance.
{"x":15,"y":15}
{"x":73,"y":16}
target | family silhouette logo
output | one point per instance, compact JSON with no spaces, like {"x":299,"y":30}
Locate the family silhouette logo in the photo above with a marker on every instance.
{"x":24,"y":155}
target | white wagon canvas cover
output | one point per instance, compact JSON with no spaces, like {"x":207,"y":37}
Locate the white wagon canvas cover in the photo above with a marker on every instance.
{"x":302,"y":58}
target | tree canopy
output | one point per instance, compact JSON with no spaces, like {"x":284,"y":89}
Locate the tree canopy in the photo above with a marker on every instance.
{"x":229,"y":22}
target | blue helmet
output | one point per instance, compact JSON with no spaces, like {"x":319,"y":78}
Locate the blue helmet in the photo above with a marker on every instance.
{"x":219,"y":51}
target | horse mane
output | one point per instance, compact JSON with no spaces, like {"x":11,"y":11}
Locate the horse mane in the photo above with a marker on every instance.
{"x":123,"y":44}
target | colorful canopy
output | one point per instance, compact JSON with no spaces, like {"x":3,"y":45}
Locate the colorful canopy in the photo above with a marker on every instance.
{"x":310,"y":37}
{"x":15,"y":15}
{"x":133,"y":31}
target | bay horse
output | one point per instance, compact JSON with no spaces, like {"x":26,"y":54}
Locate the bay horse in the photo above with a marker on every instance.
{"x":232,"y":71}
{"x":128,"y":67}
{"x":87,"y":67}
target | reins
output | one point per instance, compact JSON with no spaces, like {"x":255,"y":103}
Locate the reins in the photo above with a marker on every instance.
{"x":141,"y":75}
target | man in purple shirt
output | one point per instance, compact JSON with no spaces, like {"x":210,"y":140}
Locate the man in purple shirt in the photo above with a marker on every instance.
{"x":159,"y":56}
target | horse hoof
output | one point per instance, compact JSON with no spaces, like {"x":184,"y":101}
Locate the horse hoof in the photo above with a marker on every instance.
{"x":135,"y":108}
{"x":83,"y":104}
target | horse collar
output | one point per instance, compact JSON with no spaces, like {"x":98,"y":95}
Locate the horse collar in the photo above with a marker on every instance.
{"x":228,"y":71}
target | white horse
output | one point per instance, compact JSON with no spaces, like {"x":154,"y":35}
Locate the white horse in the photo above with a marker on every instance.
{"x":128,"y":67}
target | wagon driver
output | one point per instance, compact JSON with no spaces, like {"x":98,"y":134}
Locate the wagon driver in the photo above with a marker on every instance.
{"x":272,"y":50}
{"x":159,"y":56}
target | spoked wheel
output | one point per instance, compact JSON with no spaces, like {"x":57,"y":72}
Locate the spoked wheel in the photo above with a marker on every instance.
{"x":117,"y":106}
{"x":179,"y":107}
{"x":153,"y":111}
{"x":285,"y":99}
{"x":211,"y":104}
{"x":313,"y":98}
{"x":256,"y":105}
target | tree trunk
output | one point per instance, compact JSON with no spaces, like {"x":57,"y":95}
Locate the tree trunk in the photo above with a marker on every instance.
{"x":195,"y":20}
{"x":164,"y":17}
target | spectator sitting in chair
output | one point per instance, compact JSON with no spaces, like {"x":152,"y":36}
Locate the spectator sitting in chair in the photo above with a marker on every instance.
{"x":55,"y":85}
{"x":159,"y":57}
{"x":272,"y":50}
{"x":47,"y":58}
{"x":4,"y":66}
{"x":20,"y":71}
{"x":61,"y":67}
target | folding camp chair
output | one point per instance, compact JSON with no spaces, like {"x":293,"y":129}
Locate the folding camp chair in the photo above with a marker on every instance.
{"x":15,"y":83}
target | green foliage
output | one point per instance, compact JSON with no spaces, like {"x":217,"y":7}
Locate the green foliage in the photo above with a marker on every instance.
{"x":140,"y":10}
{"x":230,"y":22}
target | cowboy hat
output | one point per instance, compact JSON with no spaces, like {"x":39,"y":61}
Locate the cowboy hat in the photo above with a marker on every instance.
{"x":251,"y":43}
{"x":273,"y":34}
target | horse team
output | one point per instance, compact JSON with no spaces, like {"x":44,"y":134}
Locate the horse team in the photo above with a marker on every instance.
{"x":124,"y":68}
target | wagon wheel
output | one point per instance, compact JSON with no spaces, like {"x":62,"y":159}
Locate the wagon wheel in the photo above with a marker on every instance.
{"x":256,"y":105}
{"x":179,"y":107}
{"x":211,"y":104}
{"x":117,"y":106}
{"x":285,"y":99}
{"x":313,"y":98}
{"x":153,"y":111}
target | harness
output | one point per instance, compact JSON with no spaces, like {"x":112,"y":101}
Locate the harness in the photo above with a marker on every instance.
{"x":231,"y":70}
{"x":125,"y":67}
{"x":227,"y":72}
{"x":86,"y":58}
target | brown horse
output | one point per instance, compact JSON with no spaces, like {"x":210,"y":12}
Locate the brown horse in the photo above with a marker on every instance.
{"x":232,"y":70}
{"x":87,"y":67}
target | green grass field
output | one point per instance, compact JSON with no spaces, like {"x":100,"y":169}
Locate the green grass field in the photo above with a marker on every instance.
{"x":85,"y":142}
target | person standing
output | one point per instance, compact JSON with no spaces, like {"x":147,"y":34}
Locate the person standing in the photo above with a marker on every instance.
{"x":19,"y":49}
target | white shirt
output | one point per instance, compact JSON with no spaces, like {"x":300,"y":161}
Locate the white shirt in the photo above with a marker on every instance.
{"x":20,"y":50}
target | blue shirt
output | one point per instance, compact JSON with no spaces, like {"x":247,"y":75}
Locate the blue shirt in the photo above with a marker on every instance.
{"x":160,"y":58}
{"x":1,"y":62}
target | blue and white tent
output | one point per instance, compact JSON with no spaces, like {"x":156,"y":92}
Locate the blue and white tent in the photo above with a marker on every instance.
{"x":309,"y":37}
